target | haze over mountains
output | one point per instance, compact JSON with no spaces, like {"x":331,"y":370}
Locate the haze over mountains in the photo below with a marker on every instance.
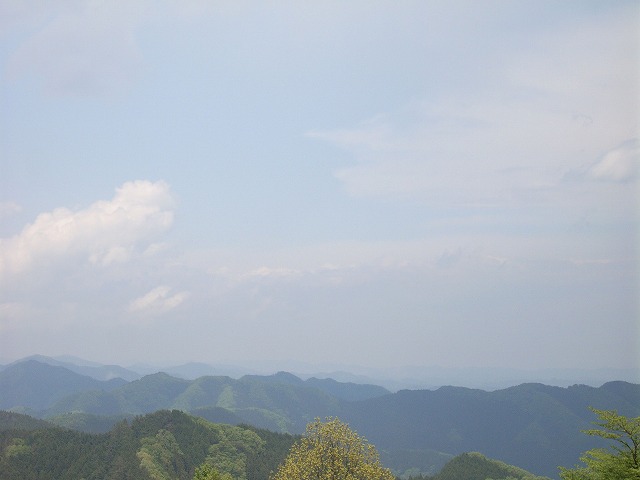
{"x":533,"y":426}
{"x":393,"y":379}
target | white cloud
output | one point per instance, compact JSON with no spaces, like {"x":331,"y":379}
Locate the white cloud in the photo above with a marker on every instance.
{"x":158,"y":301}
{"x":106,"y":232}
{"x":85,"y":48}
{"x":618,"y":165}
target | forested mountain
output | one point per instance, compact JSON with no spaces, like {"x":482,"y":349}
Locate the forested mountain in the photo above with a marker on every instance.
{"x":18,"y":421}
{"x":533,"y":426}
{"x":160,"y":445}
{"x":475,"y":466}
{"x":277,"y":406}
{"x":280,"y":402}
{"x":171,"y":444}
{"x":347,"y":390}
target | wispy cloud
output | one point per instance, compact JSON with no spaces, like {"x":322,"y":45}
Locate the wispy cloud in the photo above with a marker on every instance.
{"x":158,"y":301}
{"x":511,"y":139}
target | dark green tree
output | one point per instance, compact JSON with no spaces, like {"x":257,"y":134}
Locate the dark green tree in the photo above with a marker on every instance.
{"x":207,"y":472}
{"x":619,"y":462}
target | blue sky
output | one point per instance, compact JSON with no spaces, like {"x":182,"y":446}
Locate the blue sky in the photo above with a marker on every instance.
{"x":355,"y":183}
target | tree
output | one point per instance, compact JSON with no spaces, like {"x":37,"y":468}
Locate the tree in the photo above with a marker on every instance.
{"x":622,"y":461}
{"x":161,"y":456}
{"x":230,"y":453}
{"x":207,"y":472}
{"x":332,"y":451}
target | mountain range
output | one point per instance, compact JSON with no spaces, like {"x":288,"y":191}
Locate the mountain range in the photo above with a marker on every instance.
{"x":534,"y":426}
{"x":391,"y":378}
{"x":171,"y":445}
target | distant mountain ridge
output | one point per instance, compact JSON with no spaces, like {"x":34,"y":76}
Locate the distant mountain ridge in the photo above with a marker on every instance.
{"x":263,"y":400}
{"x":89,"y":369}
{"x":391,"y":378}
{"x":34,"y":385}
{"x":533,"y":426}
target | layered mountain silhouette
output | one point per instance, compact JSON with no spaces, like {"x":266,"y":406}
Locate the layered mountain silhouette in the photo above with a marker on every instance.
{"x":533,"y":426}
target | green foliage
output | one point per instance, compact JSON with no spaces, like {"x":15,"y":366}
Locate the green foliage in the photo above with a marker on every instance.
{"x":97,"y":402}
{"x":533,"y":426}
{"x":229,"y":455}
{"x":161,"y":456}
{"x":266,"y":460}
{"x":475,"y":466}
{"x":217,"y":415}
{"x":621,"y":461}
{"x":57,"y":454}
{"x":86,"y":422}
{"x":207,"y":472}
{"x":18,"y":421}
{"x":150,"y":393}
{"x":17,"y":447}
{"x":162,"y":445}
{"x":332,"y":451}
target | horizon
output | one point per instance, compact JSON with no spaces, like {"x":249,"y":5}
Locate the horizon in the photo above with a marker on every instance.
{"x":395,"y":379}
{"x":448,"y":184}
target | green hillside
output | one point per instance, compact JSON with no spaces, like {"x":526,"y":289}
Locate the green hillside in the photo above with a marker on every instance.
{"x":533,"y":426}
{"x":171,"y":444}
{"x":165,"y":444}
{"x":18,"y":421}
{"x":283,"y":407}
{"x":86,"y":422}
{"x":475,"y":466}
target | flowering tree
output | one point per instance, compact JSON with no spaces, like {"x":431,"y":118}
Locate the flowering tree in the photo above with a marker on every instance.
{"x":332,"y":451}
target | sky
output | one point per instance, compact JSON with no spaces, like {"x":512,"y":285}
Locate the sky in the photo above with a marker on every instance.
{"x":364,"y":183}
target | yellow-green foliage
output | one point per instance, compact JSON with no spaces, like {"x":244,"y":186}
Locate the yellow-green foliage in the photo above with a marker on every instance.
{"x":17,"y":447}
{"x":161,"y":456}
{"x":207,"y":472}
{"x":229,"y":454}
{"x":622,"y":462}
{"x":332,"y":451}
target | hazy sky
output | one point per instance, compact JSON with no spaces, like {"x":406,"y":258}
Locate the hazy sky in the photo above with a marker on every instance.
{"x":366,"y":183}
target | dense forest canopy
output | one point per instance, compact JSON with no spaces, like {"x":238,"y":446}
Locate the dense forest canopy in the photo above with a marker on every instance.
{"x":175,"y":446}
